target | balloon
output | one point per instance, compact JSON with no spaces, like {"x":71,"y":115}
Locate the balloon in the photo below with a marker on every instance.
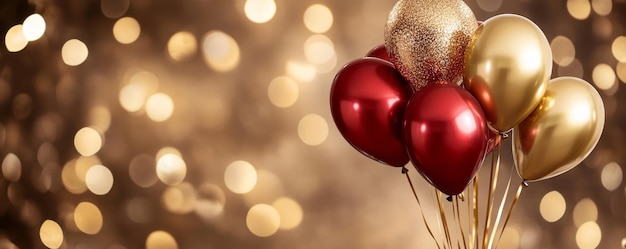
{"x":426,"y":39}
{"x":493,"y":140}
{"x":367,"y":102}
{"x":379,"y":52}
{"x":446,"y":135}
{"x":561,"y":132}
{"x":508,"y":64}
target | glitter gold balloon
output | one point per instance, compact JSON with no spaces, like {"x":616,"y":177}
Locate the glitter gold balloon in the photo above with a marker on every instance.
{"x":561,"y":132}
{"x":426,"y":39}
{"x":508,"y":63}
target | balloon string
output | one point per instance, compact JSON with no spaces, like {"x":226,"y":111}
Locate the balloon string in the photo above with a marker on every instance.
{"x":458,"y":220}
{"x":500,"y":209}
{"x":475,"y":211}
{"x":443,"y":218}
{"x":405,"y":172}
{"x":493,"y":182}
{"x":522,"y":185}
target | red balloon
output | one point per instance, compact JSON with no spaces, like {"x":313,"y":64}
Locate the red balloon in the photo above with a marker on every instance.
{"x":446,"y":135}
{"x":367,"y":101}
{"x":379,"y":52}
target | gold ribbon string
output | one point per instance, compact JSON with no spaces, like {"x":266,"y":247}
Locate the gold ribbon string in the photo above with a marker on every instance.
{"x":500,"y":209}
{"x":458,"y":220}
{"x":443,"y":218}
{"x":475,"y":216}
{"x":522,"y":185}
{"x":493,"y":182}
{"x":405,"y":171}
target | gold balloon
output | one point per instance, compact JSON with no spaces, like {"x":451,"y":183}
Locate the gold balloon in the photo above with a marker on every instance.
{"x":426,"y":39}
{"x":561,"y":132}
{"x":508,"y":63}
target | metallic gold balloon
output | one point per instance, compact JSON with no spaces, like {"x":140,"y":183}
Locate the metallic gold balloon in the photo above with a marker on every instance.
{"x":508,"y":63}
{"x":561,"y":132}
{"x":426,"y":39}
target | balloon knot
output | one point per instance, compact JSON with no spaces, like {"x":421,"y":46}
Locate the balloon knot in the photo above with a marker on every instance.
{"x":525,"y":183}
{"x":449,"y":198}
{"x":504,"y":135}
{"x":404,"y":170}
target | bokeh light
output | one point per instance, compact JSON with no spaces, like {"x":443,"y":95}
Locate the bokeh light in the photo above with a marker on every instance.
{"x":100,"y":117}
{"x":240,"y":177}
{"x":602,"y":7}
{"x":114,"y":8}
{"x":181,"y":46}
{"x":220,"y":51}
{"x":552,"y":206}
{"x":268,"y":188}
{"x":588,"y":235}
{"x":263,"y":220}
{"x":7,"y":244}
{"x":618,"y":47}
{"x":34,"y":27}
{"x":574,"y":69}
{"x":159,"y":107}
{"x":11,"y":167}
{"x":611,"y":176}
{"x":142,"y":170}
{"x":14,"y":39}
{"x":318,"y":18}
{"x":171,"y":169}
{"x":489,"y":5}
{"x":99,"y":179}
{"x":603,"y":76}
{"x":51,"y":234}
{"x":88,"y":141}
{"x":74,"y":52}
{"x":83,"y":164}
{"x":319,"y":49}
{"x":167,"y":150}
{"x":179,"y":199}
{"x":300,"y":71}
{"x":161,"y":240}
{"x":70,"y":179}
{"x":88,"y":218}
{"x":126,"y":30}
{"x":210,"y":201}
{"x":260,"y":11}
{"x":579,"y":9}
{"x":283,"y":91}
{"x":313,"y":129}
{"x":563,"y":51}
{"x":290,"y":212}
{"x":132,"y":97}
{"x":584,"y":211}
{"x":146,"y":80}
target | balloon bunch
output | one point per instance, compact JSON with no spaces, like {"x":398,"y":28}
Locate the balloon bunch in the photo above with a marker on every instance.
{"x":445,"y":89}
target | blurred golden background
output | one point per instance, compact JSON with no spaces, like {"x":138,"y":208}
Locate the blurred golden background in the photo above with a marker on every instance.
{"x":205,"y":124}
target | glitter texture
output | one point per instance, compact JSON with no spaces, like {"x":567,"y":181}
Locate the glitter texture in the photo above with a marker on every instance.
{"x":426,"y":39}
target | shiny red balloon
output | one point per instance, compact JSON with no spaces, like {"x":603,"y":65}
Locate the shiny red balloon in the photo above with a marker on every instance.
{"x":379,"y":52}
{"x":367,"y":102}
{"x":446,"y":135}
